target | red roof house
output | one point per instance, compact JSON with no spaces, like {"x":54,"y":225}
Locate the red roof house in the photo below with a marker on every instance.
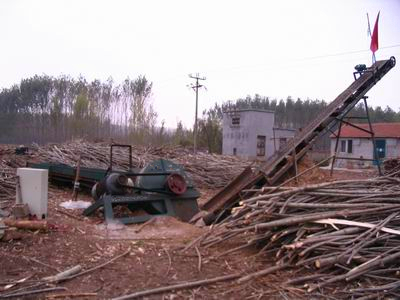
{"x":355,"y":143}
{"x":381,"y":130}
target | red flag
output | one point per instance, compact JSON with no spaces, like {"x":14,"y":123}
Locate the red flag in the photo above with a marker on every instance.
{"x":374,"y":39}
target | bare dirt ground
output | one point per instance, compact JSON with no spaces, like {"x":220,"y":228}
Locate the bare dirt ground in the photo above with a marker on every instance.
{"x":155,"y":259}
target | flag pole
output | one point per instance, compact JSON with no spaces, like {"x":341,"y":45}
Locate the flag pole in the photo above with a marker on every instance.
{"x":370,"y":35}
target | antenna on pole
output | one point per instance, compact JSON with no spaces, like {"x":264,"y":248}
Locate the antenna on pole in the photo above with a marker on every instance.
{"x":196,"y":87}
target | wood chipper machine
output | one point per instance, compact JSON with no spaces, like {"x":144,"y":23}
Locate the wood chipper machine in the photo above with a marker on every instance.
{"x":136,"y":195}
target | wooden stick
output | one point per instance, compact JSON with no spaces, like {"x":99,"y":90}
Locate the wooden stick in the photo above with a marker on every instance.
{"x":296,"y":177}
{"x":63,"y":275}
{"x":72,"y":295}
{"x":199,"y":256}
{"x":311,"y":217}
{"x":262,"y":273}
{"x":27,"y":224}
{"x":69,"y":214}
{"x":180,"y":286}
{"x":379,"y":260}
{"x":169,"y":262}
{"x":145,"y":224}
{"x":99,"y":266}
{"x":31,"y":292}
{"x":12,"y":284}
{"x":358,"y":224}
{"x":43,"y":264}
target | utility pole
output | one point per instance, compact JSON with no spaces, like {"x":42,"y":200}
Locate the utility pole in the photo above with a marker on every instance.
{"x":196,"y":87}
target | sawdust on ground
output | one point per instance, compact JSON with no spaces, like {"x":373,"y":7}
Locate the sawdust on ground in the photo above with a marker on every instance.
{"x":319,"y":175}
{"x":162,"y":227}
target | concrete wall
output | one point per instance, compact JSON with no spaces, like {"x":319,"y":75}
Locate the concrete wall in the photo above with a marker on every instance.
{"x":363,"y":147}
{"x":282,"y":133}
{"x":243,"y":136}
{"x":392,"y":148}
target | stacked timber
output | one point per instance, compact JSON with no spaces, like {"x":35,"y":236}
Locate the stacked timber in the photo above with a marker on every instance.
{"x":342,"y":233}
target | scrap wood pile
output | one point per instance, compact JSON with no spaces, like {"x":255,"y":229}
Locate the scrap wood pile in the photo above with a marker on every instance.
{"x":7,"y":186}
{"x":7,"y":173}
{"x":206,"y":170}
{"x":337,"y":237}
{"x":391,"y":165}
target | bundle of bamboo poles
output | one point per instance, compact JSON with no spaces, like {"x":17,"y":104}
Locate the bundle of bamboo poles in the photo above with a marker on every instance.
{"x":332,"y":233}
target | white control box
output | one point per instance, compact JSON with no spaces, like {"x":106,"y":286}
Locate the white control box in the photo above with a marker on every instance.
{"x":34,"y":190}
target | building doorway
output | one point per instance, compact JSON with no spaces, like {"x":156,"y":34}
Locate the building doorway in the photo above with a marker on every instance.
{"x":261,"y":145}
{"x":380,"y":146}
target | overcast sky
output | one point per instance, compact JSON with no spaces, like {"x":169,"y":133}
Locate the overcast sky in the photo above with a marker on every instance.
{"x":303,"y":49}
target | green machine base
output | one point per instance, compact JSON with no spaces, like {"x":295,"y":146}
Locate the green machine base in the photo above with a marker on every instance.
{"x":150,"y":205}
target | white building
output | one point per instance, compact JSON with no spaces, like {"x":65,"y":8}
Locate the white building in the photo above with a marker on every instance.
{"x":250,"y":133}
{"x":355,"y":143}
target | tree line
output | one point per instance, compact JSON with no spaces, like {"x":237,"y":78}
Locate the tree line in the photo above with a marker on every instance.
{"x":45,"y":109}
{"x":289,"y":113}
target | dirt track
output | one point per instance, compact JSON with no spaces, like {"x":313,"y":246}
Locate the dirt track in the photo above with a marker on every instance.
{"x":155,"y":259}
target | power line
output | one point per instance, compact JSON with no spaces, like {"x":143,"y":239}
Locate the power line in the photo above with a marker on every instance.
{"x":196,"y":87}
{"x":345,"y":53}
{"x":226,"y":69}
{"x":303,"y":59}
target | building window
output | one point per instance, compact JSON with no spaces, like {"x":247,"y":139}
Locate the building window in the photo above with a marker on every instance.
{"x":282,"y":142}
{"x":342,"y":146}
{"x":234,"y":151}
{"x":260,"y":145}
{"x":349,"y":146}
{"x":235,"y":121}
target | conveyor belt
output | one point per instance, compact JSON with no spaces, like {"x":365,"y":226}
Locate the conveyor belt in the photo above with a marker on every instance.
{"x":274,"y":170}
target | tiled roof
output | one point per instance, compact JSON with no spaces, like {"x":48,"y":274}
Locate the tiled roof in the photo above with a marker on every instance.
{"x":232,"y":111}
{"x":381,"y":130}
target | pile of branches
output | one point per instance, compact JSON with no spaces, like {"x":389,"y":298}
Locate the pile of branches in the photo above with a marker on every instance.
{"x":207,"y":170}
{"x":7,"y":172}
{"x":331,"y":233}
{"x":391,"y":165}
{"x":7,"y":184}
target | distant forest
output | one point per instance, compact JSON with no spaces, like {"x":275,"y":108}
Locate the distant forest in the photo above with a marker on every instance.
{"x":45,"y":109}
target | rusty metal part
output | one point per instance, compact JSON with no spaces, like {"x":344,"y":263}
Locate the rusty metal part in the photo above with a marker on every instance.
{"x":176,"y":184}
{"x":227,"y":194}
